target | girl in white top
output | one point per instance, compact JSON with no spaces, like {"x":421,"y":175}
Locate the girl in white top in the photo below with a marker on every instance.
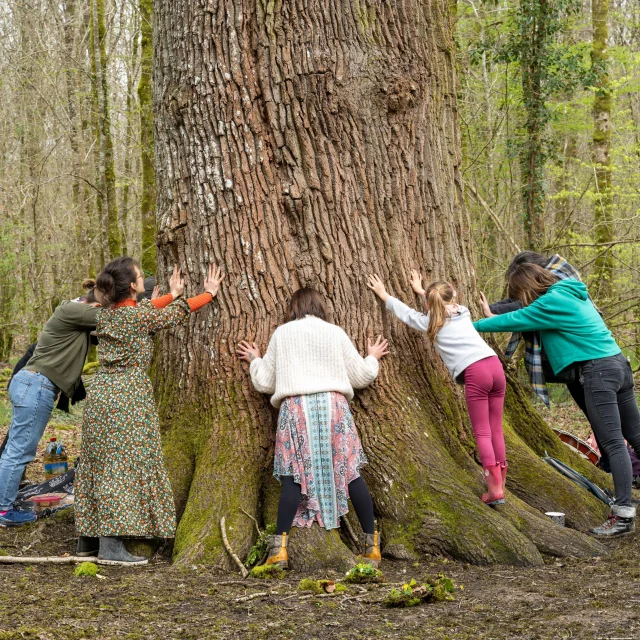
{"x":470,"y":361}
{"x":311,"y":369}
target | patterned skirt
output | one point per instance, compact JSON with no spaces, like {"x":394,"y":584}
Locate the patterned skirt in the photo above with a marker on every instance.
{"x":317,"y":443}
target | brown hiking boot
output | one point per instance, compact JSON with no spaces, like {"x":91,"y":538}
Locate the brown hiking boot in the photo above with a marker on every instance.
{"x":278,"y":555}
{"x":371,"y":553}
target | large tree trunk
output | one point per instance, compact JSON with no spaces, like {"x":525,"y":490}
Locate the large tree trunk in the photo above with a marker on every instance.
{"x":310,"y":144}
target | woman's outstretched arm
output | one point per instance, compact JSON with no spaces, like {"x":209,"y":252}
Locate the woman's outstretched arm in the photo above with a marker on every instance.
{"x":262,"y":370}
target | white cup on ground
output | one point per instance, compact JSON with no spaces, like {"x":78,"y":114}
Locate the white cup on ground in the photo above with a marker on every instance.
{"x":556,"y":516}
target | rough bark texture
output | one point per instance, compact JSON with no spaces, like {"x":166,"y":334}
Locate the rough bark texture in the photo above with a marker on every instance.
{"x":311,"y":143}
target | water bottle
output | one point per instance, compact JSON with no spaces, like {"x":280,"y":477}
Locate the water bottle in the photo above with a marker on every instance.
{"x":55,"y":459}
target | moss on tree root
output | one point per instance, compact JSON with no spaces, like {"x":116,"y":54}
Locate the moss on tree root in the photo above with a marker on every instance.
{"x":426,"y":489}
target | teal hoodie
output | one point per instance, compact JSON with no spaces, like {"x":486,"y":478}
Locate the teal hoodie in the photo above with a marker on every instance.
{"x":571,"y":329}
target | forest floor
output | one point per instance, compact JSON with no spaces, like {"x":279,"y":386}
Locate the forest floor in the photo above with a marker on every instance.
{"x":586,"y":599}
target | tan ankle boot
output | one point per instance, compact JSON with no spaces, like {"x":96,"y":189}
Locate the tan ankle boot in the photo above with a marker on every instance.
{"x":277,"y":546}
{"x":371,"y":553}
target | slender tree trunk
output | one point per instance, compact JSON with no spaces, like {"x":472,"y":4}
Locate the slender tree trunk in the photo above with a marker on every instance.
{"x":129,"y":144}
{"x":602,"y":103}
{"x":533,"y":158}
{"x":148,"y":204}
{"x":310,"y":144}
{"x":107,"y":164}
{"x":98,"y":143}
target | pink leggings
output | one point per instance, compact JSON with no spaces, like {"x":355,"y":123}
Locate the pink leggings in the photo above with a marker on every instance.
{"x":484,"y":390}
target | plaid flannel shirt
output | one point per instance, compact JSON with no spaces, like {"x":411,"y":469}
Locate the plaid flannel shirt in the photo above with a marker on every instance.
{"x":533,"y":346}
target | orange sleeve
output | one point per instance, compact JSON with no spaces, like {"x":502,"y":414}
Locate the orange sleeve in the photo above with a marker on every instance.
{"x":199,"y":301}
{"x":162,"y":301}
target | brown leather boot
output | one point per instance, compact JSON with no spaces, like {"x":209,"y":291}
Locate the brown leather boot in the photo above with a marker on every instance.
{"x":371,"y":553}
{"x":277,"y":546}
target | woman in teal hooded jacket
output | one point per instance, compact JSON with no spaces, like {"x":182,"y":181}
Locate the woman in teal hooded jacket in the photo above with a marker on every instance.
{"x":573,"y":333}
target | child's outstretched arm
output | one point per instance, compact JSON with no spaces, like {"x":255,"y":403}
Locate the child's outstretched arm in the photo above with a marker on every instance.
{"x":409,"y":316}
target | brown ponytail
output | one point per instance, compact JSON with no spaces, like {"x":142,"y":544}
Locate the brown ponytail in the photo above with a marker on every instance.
{"x":438,"y":295}
{"x":114,"y":281}
{"x":89,"y":285}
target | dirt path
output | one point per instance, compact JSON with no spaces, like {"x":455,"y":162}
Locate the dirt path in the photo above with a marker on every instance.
{"x":569,"y":599}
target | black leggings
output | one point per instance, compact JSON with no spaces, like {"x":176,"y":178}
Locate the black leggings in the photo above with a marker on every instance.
{"x":292,"y":493}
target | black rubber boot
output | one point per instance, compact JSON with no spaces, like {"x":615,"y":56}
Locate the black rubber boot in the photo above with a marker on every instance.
{"x":112,"y":551}
{"x":87,"y":546}
{"x":621,"y":521}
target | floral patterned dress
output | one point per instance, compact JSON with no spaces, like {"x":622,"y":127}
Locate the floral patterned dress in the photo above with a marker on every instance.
{"x":122,"y":486}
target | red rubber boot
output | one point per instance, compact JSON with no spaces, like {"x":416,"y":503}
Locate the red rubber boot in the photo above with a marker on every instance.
{"x":503,"y":470}
{"x":493,"y":478}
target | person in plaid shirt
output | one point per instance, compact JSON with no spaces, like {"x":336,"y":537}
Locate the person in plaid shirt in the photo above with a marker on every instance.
{"x":575,"y":335}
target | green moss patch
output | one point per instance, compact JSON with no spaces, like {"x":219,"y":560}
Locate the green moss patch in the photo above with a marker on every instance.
{"x":363,"y":573}
{"x":86,"y":569}
{"x":267,"y":572}
{"x":412,"y":594}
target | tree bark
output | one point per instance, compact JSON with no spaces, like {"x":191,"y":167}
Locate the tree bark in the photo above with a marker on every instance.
{"x":110,"y":223}
{"x":535,"y":15}
{"x":310,"y":144}
{"x":148,"y":204}
{"x":602,"y":102}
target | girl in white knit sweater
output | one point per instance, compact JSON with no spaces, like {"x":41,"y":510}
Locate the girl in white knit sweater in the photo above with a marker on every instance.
{"x":311,"y":369}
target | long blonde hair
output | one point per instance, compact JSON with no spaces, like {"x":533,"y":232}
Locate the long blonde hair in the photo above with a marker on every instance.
{"x":438,"y":295}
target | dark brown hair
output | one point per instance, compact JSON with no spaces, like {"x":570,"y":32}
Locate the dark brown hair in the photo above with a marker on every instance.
{"x":306,"y":302}
{"x":114,"y":281}
{"x":526,"y":257}
{"x":527,"y":282}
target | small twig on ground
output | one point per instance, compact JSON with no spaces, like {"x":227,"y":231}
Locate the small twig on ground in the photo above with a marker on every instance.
{"x":255,"y":521}
{"x":227,"y":546}
{"x":255,"y":595}
{"x":44,"y":560}
{"x":351,"y":532}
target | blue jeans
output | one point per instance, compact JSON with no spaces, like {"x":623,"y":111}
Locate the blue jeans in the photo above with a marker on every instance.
{"x":32,"y":397}
{"x":614,"y":416}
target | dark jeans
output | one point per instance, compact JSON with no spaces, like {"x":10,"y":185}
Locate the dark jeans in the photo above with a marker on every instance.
{"x":577,"y":393}
{"x":614,"y":416}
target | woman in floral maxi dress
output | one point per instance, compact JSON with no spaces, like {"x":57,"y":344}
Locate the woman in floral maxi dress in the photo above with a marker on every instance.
{"x":122,"y":488}
{"x":311,"y":367}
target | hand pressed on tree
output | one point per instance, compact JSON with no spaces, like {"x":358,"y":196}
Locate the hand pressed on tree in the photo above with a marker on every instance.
{"x":379,"y":348}
{"x":248,"y":351}
{"x":416,"y":282}
{"x":176,"y":283}
{"x":155,"y":293}
{"x":213,"y":280}
{"x":485,"y":307}
{"x":377,"y":286}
